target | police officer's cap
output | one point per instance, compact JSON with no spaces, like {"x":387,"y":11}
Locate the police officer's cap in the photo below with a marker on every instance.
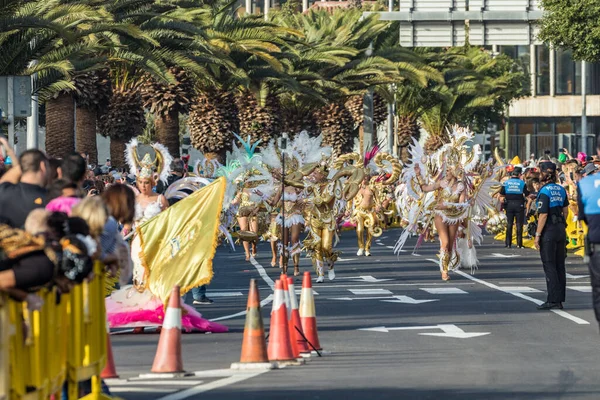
{"x":517,"y":171}
{"x":547,"y":166}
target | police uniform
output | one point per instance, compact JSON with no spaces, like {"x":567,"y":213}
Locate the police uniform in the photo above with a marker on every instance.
{"x":588,"y":199}
{"x":551,"y":200}
{"x":515,"y":193}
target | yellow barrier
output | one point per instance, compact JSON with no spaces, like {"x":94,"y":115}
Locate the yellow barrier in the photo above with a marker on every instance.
{"x":4,"y":348}
{"x":64,"y":341}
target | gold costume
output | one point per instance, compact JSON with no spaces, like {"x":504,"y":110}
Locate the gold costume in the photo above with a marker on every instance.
{"x":322,"y":226}
{"x":247,"y":207}
{"x":366,"y":218}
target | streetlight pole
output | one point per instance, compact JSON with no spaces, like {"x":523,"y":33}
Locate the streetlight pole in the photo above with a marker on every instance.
{"x":283,"y":146}
{"x":583,"y":107}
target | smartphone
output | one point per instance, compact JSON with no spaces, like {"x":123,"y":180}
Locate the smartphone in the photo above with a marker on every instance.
{"x":561,"y":150}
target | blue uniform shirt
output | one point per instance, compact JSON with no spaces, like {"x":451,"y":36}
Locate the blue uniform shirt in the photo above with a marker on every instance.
{"x":551,"y":199}
{"x":514,"y":189}
{"x":588,"y":200}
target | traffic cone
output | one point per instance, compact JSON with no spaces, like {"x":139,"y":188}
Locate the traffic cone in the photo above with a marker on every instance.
{"x":295,"y":323}
{"x":279,"y":348}
{"x":168,"y":354}
{"x":254,"y":347}
{"x":288,"y":307}
{"x":109,"y":371}
{"x":308,"y":316}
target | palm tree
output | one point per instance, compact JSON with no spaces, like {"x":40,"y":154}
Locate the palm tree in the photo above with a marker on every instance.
{"x":476,"y":89}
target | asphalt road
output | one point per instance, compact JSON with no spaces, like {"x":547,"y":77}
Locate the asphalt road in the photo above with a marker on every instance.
{"x":477,"y":337}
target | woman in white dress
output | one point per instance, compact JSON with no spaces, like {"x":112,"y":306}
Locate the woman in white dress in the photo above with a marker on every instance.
{"x":134,"y":306}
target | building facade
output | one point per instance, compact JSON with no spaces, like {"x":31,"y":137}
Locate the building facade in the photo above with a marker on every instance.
{"x":550,"y":118}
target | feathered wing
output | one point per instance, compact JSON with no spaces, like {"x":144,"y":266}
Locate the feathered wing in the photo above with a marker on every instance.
{"x":165,"y":160}
{"x":131,"y":156}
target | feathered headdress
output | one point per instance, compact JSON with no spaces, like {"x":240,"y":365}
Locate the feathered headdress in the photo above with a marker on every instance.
{"x":147,"y":167}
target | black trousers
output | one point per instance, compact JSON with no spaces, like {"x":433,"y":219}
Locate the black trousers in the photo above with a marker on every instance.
{"x":515,"y":211}
{"x":553,"y":253}
{"x":595,"y":278}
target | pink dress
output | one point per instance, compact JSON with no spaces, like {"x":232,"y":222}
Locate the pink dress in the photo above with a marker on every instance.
{"x":129,"y":308}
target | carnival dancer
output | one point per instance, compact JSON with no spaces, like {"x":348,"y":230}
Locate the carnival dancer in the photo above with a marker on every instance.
{"x":135,"y":306}
{"x":365,"y":215}
{"x":448,"y":190}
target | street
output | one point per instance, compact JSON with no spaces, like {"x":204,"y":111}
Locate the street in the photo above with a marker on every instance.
{"x":392,"y":329}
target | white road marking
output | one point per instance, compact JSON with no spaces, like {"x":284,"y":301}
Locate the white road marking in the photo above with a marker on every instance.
{"x":520,"y":289}
{"x":241,"y":313}
{"x":184,"y":394}
{"x":361,"y":298}
{"x":562,"y":313}
{"x":450,"y":290}
{"x":134,"y":389}
{"x":408,"y":300}
{"x":299,"y":291}
{"x":379,"y":244}
{"x":499,"y":255}
{"x":224,"y":294}
{"x":367,"y":278}
{"x":263,"y":274}
{"x":137,"y":382}
{"x":340,"y":259}
{"x":266,"y":278}
{"x":449,"y":330}
{"x":576,"y":276}
{"x":582,"y":289}
{"x":369,"y":291}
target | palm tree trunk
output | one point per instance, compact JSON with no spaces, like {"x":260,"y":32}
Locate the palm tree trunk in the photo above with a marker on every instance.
{"x":117,"y":153}
{"x":167,"y":132}
{"x":60,"y":126}
{"x":85,"y":132}
{"x":361,"y":139}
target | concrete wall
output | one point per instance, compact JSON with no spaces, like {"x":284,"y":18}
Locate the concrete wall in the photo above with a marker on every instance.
{"x":559,"y":106}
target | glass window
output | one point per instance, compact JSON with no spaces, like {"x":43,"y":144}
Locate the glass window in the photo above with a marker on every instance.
{"x":543,"y":70}
{"x":593,"y":78}
{"x":521,"y":55}
{"x":565,"y":73}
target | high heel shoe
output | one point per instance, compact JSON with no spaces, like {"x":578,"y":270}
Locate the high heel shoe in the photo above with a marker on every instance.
{"x":445,"y":276}
{"x":296,"y":270}
{"x":247,"y":257}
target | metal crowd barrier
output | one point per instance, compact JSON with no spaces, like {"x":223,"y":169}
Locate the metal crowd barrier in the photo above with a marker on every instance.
{"x":62,"y":343}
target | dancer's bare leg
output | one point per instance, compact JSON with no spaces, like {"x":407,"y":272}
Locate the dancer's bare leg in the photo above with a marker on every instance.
{"x":445,"y":245}
{"x":254,"y":228}
{"x":243,"y":223}
{"x":296,"y":230}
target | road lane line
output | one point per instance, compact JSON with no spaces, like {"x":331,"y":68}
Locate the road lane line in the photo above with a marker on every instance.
{"x":562,"y":313}
{"x":263,"y":273}
{"x":184,"y":394}
{"x":241,"y":313}
{"x":266,"y":278}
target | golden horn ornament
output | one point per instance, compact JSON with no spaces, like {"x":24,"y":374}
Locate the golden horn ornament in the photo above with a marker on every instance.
{"x":396,"y":167}
{"x":499,"y":159}
{"x":346,"y":158}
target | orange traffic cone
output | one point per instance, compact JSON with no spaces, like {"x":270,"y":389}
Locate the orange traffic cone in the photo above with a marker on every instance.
{"x":288,"y":307}
{"x":295,"y":324}
{"x":109,"y":371}
{"x":254,"y":347}
{"x":307,"y":313}
{"x":279,"y":348}
{"x":168,"y":355}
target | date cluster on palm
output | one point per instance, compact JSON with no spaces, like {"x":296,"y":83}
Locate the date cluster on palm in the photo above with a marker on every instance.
{"x":355,"y":105}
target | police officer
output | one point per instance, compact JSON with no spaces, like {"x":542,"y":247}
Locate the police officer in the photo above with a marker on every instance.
{"x":551,"y":235}
{"x":515,"y":194}
{"x":588,"y":200}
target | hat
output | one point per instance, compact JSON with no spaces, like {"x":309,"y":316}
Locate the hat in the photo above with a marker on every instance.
{"x":590,"y":169}
{"x":547,"y":165}
{"x":517,"y":171}
{"x":562,"y":157}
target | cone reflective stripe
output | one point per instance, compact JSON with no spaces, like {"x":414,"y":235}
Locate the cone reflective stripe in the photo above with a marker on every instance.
{"x":308,"y":316}
{"x":291,"y":329}
{"x":254,"y":348}
{"x":168,"y":355}
{"x":279,"y":348}
{"x":295,"y":320}
{"x":286,"y":295}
